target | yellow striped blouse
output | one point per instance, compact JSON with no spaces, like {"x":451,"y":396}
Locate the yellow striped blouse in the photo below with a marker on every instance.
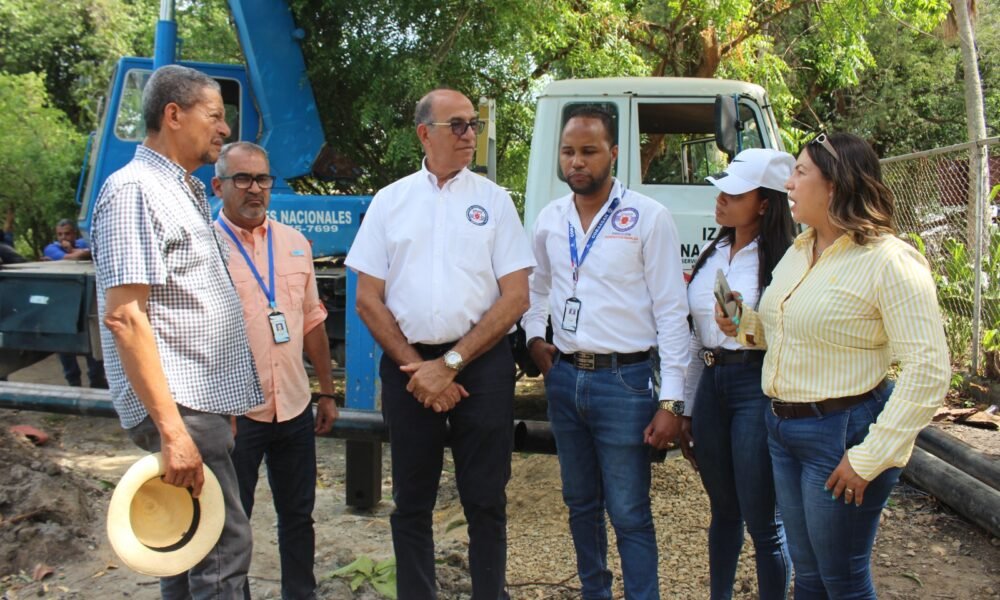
{"x":833,"y":328}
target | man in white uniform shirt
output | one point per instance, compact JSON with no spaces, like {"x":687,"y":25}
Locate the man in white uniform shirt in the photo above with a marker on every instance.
{"x":609,"y":274}
{"x":443,"y":266}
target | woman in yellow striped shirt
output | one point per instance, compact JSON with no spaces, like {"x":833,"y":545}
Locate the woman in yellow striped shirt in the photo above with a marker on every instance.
{"x":846,"y":300}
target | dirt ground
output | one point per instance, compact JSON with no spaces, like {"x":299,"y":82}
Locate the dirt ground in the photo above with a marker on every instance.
{"x":53,"y":501}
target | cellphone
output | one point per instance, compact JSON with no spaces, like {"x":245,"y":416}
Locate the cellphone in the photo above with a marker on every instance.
{"x":723,"y":295}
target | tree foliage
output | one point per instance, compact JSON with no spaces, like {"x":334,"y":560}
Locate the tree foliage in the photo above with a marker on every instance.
{"x":40,"y":154}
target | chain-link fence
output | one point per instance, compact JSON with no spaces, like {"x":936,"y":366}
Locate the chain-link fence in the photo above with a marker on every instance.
{"x":938,"y":205}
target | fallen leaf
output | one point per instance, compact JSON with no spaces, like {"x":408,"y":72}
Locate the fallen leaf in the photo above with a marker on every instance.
{"x":41,"y":571}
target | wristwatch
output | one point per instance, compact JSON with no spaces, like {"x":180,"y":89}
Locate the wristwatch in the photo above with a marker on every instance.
{"x":674,"y":407}
{"x":453,"y":360}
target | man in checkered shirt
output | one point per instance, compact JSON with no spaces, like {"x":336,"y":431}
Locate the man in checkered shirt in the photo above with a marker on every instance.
{"x":177,"y":357}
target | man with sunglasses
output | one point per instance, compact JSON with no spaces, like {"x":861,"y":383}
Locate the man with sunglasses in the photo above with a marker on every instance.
{"x":271,"y":266}
{"x":443,"y":265}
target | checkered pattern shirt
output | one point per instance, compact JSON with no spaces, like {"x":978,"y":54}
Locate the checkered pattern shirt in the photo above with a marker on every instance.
{"x":152,"y":227}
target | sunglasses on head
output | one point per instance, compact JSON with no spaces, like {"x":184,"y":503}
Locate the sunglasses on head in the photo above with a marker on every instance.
{"x":824,"y":141}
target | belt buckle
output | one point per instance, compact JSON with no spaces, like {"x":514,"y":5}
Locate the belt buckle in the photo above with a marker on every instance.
{"x":708,"y":357}
{"x":584,"y":360}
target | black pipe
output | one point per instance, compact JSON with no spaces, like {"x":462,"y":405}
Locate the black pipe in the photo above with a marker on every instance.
{"x":966,"y":495}
{"x":353,"y":424}
{"x":957,"y":453}
{"x":363,"y":425}
{"x":534,"y":436}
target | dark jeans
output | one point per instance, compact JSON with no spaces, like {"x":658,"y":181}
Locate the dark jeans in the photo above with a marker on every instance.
{"x":598,"y":418}
{"x":71,"y":370}
{"x":735,"y":467}
{"x":830,"y":541}
{"x":480,"y":432}
{"x":223,"y":573}
{"x":290,"y":451}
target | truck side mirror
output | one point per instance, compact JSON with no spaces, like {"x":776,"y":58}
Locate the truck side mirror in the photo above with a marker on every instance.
{"x":727,"y":124}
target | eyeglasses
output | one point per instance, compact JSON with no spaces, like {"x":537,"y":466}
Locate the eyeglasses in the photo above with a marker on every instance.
{"x":824,"y":141}
{"x":243,"y":181}
{"x":460,"y":127}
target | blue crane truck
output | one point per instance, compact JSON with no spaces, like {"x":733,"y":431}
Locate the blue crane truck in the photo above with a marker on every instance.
{"x":50,"y":307}
{"x":671,"y":133}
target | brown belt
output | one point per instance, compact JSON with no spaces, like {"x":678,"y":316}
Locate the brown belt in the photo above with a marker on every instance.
{"x":589,"y":361}
{"x":803,"y":410}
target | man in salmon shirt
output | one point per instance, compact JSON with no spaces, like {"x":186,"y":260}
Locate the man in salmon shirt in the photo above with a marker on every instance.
{"x":271,"y":266}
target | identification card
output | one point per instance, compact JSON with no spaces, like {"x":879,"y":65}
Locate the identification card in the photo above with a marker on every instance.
{"x":279,"y":328}
{"x":571,"y":314}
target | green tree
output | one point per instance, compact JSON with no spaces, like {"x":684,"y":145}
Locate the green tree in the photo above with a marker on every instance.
{"x":40,"y":153}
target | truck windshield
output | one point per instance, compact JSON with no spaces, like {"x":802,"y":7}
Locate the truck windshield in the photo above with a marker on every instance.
{"x":677,"y":141}
{"x":129,"y":125}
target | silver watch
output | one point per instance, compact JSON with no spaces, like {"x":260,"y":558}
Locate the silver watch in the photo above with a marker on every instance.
{"x":453,"y":360}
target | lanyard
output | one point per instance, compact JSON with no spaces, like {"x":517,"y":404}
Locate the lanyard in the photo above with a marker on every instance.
{"x":269,"y":292}
{"x":577,"y":262}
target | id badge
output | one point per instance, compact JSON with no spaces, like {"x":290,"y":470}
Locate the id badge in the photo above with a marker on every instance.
{"x":279,"y":328}
{"x":571,"y":314}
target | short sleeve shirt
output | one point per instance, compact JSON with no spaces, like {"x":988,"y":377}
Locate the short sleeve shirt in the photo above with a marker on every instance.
{"x":152,"y":227}
{"x":440,"y":251}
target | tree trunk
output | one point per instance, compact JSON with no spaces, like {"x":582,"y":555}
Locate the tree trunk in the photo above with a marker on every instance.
{"x":979,"y":214}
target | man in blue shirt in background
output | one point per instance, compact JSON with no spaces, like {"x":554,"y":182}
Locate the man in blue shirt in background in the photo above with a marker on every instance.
{"x":69,"y":246}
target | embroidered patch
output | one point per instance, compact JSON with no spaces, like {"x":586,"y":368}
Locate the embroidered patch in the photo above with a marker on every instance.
{"x":625,"y":219}
{"x":298,"y":253}
{"x":477,"y":215}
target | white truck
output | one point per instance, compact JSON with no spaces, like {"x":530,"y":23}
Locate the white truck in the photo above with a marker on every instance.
{"x":672,"y":133}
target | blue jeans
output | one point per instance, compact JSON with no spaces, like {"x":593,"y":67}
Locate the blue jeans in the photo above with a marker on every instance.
{"x":735,"y":467}
{"x":597,"y":419}
{"x":71,"y":370}
{"x":830,"y":541}
{"x":290,"y":451}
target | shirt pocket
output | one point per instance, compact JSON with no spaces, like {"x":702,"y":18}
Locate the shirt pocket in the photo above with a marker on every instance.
{"x":473,"y":248}
{"x":292,"y":284}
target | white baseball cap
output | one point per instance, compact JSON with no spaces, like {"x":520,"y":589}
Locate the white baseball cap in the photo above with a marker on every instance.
{"x":755,"y":168}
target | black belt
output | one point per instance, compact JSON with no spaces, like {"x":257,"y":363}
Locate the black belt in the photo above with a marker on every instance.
{"x":803,"y":410}
{"x":722,"y":356}
{"x":590,"y":361}
{"x":429,"y":351}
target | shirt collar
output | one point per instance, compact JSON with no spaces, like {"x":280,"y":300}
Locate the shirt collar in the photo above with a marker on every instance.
{"x":807,"y":238}
{"x":147,"y":154}
{"x":433,"y":179}
{"x":618,"y":191}
{"x":243,"y":233}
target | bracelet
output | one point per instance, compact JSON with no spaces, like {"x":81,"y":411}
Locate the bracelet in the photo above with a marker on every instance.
{"x":330,"y":396}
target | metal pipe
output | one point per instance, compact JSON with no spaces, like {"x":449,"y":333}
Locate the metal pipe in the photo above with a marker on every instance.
{"x":353,"y":424}
{"x":968,"y":496}
{"x":964,"y":457}
{"x":165,"y":44}
{"x":363,"y":425}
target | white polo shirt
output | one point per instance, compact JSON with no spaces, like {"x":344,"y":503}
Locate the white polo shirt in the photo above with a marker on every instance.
{"x":631,"y":285}
{"x":741,"y":272}
{"x":440,"y":251}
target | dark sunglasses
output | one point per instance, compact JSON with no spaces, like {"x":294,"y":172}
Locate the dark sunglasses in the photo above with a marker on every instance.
{"x":824,"y":141}
{"x":460,"y":127}
{"x":243,"y":181}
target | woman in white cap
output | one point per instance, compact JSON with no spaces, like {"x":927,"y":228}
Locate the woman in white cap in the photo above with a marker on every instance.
{"x":726,"y":439}
{"x":847,"y":299}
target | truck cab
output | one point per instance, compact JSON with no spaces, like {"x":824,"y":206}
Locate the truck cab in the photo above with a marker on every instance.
{"x":671,"y":134}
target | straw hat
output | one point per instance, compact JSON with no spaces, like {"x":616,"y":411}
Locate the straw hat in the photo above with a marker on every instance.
{"x":160,"y":529}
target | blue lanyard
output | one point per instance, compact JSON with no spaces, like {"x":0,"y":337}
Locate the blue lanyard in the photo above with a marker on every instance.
{"x":269,"y":292}
{"x":577,"y":262}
